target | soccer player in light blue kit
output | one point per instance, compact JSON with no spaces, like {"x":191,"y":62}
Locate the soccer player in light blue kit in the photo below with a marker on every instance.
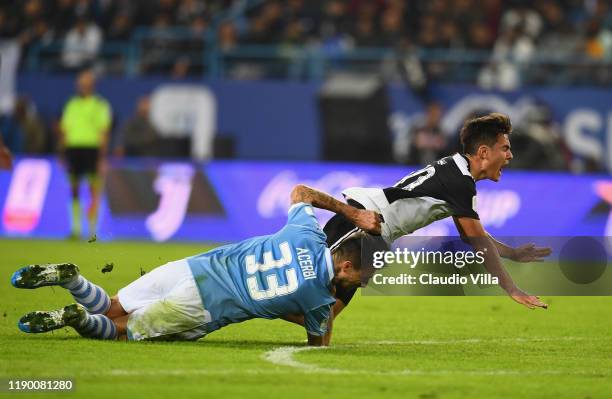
{"x":291,"y":272}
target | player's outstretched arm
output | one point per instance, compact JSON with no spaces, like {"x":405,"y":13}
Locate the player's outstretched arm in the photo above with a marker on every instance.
{"x":525,"y":253}
{"x":472,"y":231}
{"x":364,"y":219}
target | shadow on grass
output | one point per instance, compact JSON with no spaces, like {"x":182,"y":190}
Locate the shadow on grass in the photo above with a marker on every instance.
{"x":210,"y":343}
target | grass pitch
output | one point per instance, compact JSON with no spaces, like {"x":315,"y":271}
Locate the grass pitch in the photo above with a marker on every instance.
{"x":392,"y":347}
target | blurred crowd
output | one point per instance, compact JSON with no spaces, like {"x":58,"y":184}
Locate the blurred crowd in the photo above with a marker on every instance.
{"x":537,"y":141}
{"x":83,"y":27}
{"x":513,"y":31}
{"x":505,"y":35}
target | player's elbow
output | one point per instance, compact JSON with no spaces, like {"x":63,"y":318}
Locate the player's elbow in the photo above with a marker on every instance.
{"x":299,"y":194}
{"x":470,"y":228}
{"x":473,"y":234}
{"x":297,"y":319}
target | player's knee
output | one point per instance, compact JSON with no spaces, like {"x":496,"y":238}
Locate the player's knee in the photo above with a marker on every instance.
{"x":115,"y":310}
{"x":121,"y":325}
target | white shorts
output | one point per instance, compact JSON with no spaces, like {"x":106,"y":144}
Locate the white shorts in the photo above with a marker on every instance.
{"x":165,"y":304}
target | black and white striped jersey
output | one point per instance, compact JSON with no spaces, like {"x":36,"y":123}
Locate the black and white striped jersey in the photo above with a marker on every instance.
{"x":445,"y":188}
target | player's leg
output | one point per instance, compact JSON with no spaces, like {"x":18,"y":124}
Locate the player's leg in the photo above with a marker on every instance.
{"x":111,"y":325}
{"x":75,"y":207}
{"x":163,"y":304}
{"x":116,"y":310}
{"x":88,"y":325}
{"x":74,"y":160}
{"x":91,"y":296}
{"x":94,"y":179}
{"x":92,"y":209}
{"x":121,"y":325}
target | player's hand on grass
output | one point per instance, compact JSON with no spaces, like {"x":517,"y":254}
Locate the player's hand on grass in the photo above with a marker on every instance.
{"x":368,"y":221}
{"x":531,"y":301}
{"x":530,"y":253}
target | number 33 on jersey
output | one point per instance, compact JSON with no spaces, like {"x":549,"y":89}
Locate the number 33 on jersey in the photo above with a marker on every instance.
{"x":288,"y":272}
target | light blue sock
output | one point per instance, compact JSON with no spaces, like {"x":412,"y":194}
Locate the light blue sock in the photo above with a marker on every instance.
{"x":92,"y":297}
{"x":97,"y":326}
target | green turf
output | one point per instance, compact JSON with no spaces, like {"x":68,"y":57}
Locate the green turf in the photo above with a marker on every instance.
{"x":393,"y":347}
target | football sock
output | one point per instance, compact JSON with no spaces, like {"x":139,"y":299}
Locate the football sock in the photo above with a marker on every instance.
{"x":96,"y":326}
{"x":92,"y":297}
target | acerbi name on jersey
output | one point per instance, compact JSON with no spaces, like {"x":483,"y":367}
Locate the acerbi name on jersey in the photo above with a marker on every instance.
{"x":431,"y":279}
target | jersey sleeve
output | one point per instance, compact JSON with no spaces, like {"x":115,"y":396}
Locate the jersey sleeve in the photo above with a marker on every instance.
{"x":302,"y":214}
{"x":315,"y":321}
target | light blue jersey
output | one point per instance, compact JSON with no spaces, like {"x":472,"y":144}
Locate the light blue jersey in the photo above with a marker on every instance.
{"x":289,"y":272}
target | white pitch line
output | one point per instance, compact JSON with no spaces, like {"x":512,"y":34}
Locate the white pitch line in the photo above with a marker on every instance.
{"x":283,"y":356}
{"x":479,"y":341}
{"x":320,"y":370}
{"x":173,"y":372}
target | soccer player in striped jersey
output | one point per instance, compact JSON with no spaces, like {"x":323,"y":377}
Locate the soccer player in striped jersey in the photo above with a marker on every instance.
{"x":289,"y":272}
{"x":446,"y":188}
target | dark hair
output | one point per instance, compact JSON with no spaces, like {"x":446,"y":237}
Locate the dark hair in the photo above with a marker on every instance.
{"x":350,"y":250}
{"x":484,"y":130}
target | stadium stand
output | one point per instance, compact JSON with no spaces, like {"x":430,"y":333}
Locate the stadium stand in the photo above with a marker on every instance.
{"x":495,"y":43}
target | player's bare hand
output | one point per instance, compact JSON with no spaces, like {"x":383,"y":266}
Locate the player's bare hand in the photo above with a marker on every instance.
{"x":530,"y":253}
{"x":6,"y":159}
{"x":368,"y":220}
{"x":530,"y":301}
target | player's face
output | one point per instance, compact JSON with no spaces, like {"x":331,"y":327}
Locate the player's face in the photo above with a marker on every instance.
{"x":85,"y":83}
{"x":499,"y":156}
